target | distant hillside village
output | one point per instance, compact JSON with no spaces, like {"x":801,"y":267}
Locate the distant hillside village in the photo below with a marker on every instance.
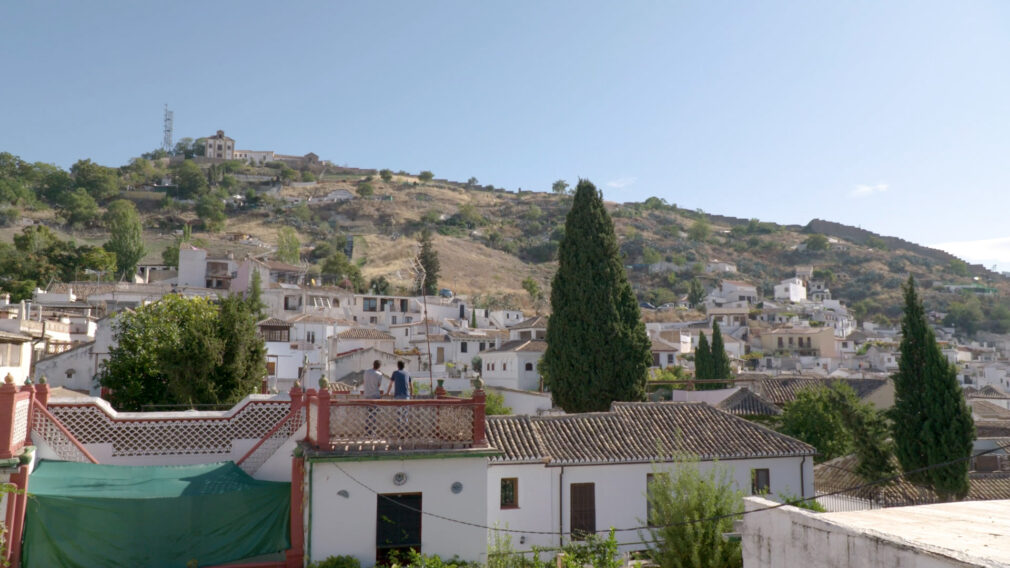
{"x":307,"y":468}
{"x":539,"y":469}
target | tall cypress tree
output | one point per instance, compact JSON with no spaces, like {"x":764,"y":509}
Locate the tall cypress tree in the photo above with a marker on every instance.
{"x":720,"y":361}
{"x":931,"y":423}
{"x":429,"y":261}
{"x":702,"y":362}
{"x":597,"y":347}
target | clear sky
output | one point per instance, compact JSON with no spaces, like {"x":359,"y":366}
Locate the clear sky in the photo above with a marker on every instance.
{"x":892,"y":116}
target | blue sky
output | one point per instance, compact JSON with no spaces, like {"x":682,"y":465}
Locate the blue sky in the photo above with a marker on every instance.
{"x":892,"y":116}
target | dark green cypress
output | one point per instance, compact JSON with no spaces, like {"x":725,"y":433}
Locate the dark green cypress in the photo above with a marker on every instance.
{"x":597,"y":347}
{"x":702,"y":362}
{"x":931,"y":423}
{"x":719,"y":360}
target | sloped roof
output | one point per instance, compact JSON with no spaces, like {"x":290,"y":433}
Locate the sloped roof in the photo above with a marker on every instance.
{"x":781,"y":391}
{"x":989,"y":391}
{"x":485,"y":335}
{"x":274,"y":322}
{"x":992,"y":429}
{"x":536,"y":322}
{"x":364,"y":333}
{"x":521,"y":345}
{"x":839,"y":475}
{"x":984,"y":410}
{"x":636,"y":432}
{"x":746,"y":402}
{"x":314,"y":318}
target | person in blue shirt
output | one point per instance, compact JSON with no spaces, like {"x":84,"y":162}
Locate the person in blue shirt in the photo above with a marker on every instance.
{"x":400,"y":383}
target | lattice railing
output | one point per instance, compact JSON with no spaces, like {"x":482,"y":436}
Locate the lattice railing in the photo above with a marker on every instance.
{"x":392,"y":425}
{"x":157,"y":436}
{"x":272,"y":442}
{"x":408,"y":426}
{"x":46,"y":428}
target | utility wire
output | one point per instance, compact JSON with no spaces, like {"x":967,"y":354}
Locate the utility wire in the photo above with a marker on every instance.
{"x":792,"y":502}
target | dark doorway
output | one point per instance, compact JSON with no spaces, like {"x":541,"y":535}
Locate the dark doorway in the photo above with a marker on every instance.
{"x":397,"y":525}
{"x":583,"y":509}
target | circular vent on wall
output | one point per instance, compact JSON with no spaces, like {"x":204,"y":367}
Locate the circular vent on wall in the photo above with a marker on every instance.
{"x":399,"y":478}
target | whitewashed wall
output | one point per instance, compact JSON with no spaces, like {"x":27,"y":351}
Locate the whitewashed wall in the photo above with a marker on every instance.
{"x":347,"y":525}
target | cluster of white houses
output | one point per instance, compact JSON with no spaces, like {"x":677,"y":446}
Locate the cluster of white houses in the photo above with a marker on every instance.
{"x":370,"y":477}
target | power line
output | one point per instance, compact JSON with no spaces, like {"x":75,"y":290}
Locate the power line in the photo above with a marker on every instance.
{"x":792,"y":502}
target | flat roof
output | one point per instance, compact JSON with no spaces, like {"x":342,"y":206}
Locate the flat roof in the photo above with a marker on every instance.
{"x":976,"y":532}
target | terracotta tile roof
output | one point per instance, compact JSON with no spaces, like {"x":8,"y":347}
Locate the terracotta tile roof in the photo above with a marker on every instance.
{"x":989,"y":391}
{"x":536,"y":322}
{"x":745,"y":402}
{"x":839,"y":475}
{"x":992,"y":429}
{"x":780,"y":391}
{"x":984,"y":410}
{"x":364,"y":333}
{"x":660,"y":345}
{"x":521,"y":345}
{"x":274,"y":322}
{"x":636,"y":433}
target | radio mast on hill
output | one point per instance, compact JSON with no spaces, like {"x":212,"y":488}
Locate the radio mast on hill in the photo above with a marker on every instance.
{"x":166,"y":142}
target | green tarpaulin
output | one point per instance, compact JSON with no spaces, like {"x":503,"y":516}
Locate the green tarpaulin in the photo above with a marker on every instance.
{"x":107,"y":515}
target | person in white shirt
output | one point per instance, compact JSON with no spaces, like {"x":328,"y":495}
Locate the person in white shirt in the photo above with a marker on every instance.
{"x":372,"y":387}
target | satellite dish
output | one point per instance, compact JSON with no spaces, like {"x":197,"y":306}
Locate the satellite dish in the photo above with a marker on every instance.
{"x":399,"y":478}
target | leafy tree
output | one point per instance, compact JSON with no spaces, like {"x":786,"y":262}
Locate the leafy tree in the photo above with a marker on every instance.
{"x":170,"y":256}
{"x":288,"y":246}
{"x":684,"y":494}
{"x":815,"y":417}
{"x":380,"y":285}
{"x":695,"y":293}
{"x":560,"y":187}
{"x":958,"y":267}
{"x":210,"y":210}
{"x":338,"y":267}
{"x":80,"y":207}
{"x":100,"y":182}
{"x":190,"y":180}
{"x":386,"y":175}
{"x":964,"y":316}
{"x":876,"y":243}
{"x":425,"y":176}
{"x":428,"y":257}
{"x":126,"y":238}
{"x":184,"y":351}
{"x":700,"y":229}
{"x":532,"y":288}
{"x":254,"y":298}
{"x":365,"y":189}
{"x":930,"y":422}
{"x":592,"y":305}
{"x":816,"y":242}
{"x":472,"y":182}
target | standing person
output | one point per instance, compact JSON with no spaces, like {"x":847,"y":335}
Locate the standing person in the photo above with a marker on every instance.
{"x":400,"y":383}
{"x":373,"y":381}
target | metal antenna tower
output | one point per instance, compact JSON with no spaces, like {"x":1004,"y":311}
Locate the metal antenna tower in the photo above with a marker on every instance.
{"x":166,"y":142}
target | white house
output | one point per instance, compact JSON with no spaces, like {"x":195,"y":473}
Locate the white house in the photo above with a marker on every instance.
{"x":15,"y":356}
{"x":514,"y":364}
{"x":736,"y":291}
{"x":590,"y":472}
{"x":791,"y":290}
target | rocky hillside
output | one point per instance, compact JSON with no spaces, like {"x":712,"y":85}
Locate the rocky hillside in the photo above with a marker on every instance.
{"x":490,"y":240}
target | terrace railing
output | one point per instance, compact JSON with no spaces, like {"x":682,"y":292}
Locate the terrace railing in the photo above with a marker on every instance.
{"x":353,"y":425}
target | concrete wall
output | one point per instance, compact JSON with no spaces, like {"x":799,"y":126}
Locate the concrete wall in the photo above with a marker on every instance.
{"x":788,"y":536}
{"x":347,"y":525}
